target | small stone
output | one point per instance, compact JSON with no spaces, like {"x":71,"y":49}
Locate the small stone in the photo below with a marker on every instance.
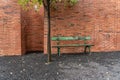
{"x":9,"y":62}
{"x":23,"y":61}
{"x":47,"y":63}
{"x":57,"y":73}
{"x":107,"y":73}
{"x":2,"y":75}
{"x":23,"y":69}
{"x":79,"y":64}
{"x":112,"y":63}
{"x":11,"y":73}
{"x":36,"y":63}
{"x":46,"y":74}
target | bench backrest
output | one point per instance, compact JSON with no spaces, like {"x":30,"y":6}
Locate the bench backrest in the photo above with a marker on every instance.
{"x":63,"y":38}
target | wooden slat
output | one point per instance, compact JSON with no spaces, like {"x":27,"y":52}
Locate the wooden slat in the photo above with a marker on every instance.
{"x":70,"y":38}
{"x":73,"y":45}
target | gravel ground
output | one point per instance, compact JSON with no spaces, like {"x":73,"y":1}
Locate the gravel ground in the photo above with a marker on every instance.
{"x":97,"y":66}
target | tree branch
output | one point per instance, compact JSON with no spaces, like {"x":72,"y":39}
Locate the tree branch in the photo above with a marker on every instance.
{"x":45,"y":4}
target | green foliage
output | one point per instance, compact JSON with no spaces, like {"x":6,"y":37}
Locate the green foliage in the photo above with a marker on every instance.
{"x":31,"y":3}
{"x":72,"y":2}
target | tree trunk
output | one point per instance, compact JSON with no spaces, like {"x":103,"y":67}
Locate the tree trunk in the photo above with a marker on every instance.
{"x":47,"y":22}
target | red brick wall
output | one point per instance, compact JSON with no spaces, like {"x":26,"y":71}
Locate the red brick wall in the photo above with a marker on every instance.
{"x":24,"y":31}
{"x":33,"y":30}
{"x":97,"y":18}
{"x":20,"y":31}
{"x":10,"y":28}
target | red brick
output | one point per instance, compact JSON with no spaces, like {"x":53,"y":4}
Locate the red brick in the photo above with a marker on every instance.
{"x":10,"y":28}
{"x":33,"y":23}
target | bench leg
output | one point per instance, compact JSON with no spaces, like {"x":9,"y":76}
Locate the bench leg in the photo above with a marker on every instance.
{"x":58,"y":49}
{"x":85,"y":49}
{"x":89,"y":50}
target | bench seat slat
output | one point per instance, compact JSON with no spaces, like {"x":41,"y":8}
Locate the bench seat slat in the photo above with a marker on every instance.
{"x":63,"y":38}
{"x":73,"y":45}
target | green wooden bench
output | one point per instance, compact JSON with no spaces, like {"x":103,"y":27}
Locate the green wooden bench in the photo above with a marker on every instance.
{"x":86,"y":46}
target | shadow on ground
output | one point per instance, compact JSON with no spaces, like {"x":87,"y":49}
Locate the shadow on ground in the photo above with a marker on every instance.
{"x":97,"y":66}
